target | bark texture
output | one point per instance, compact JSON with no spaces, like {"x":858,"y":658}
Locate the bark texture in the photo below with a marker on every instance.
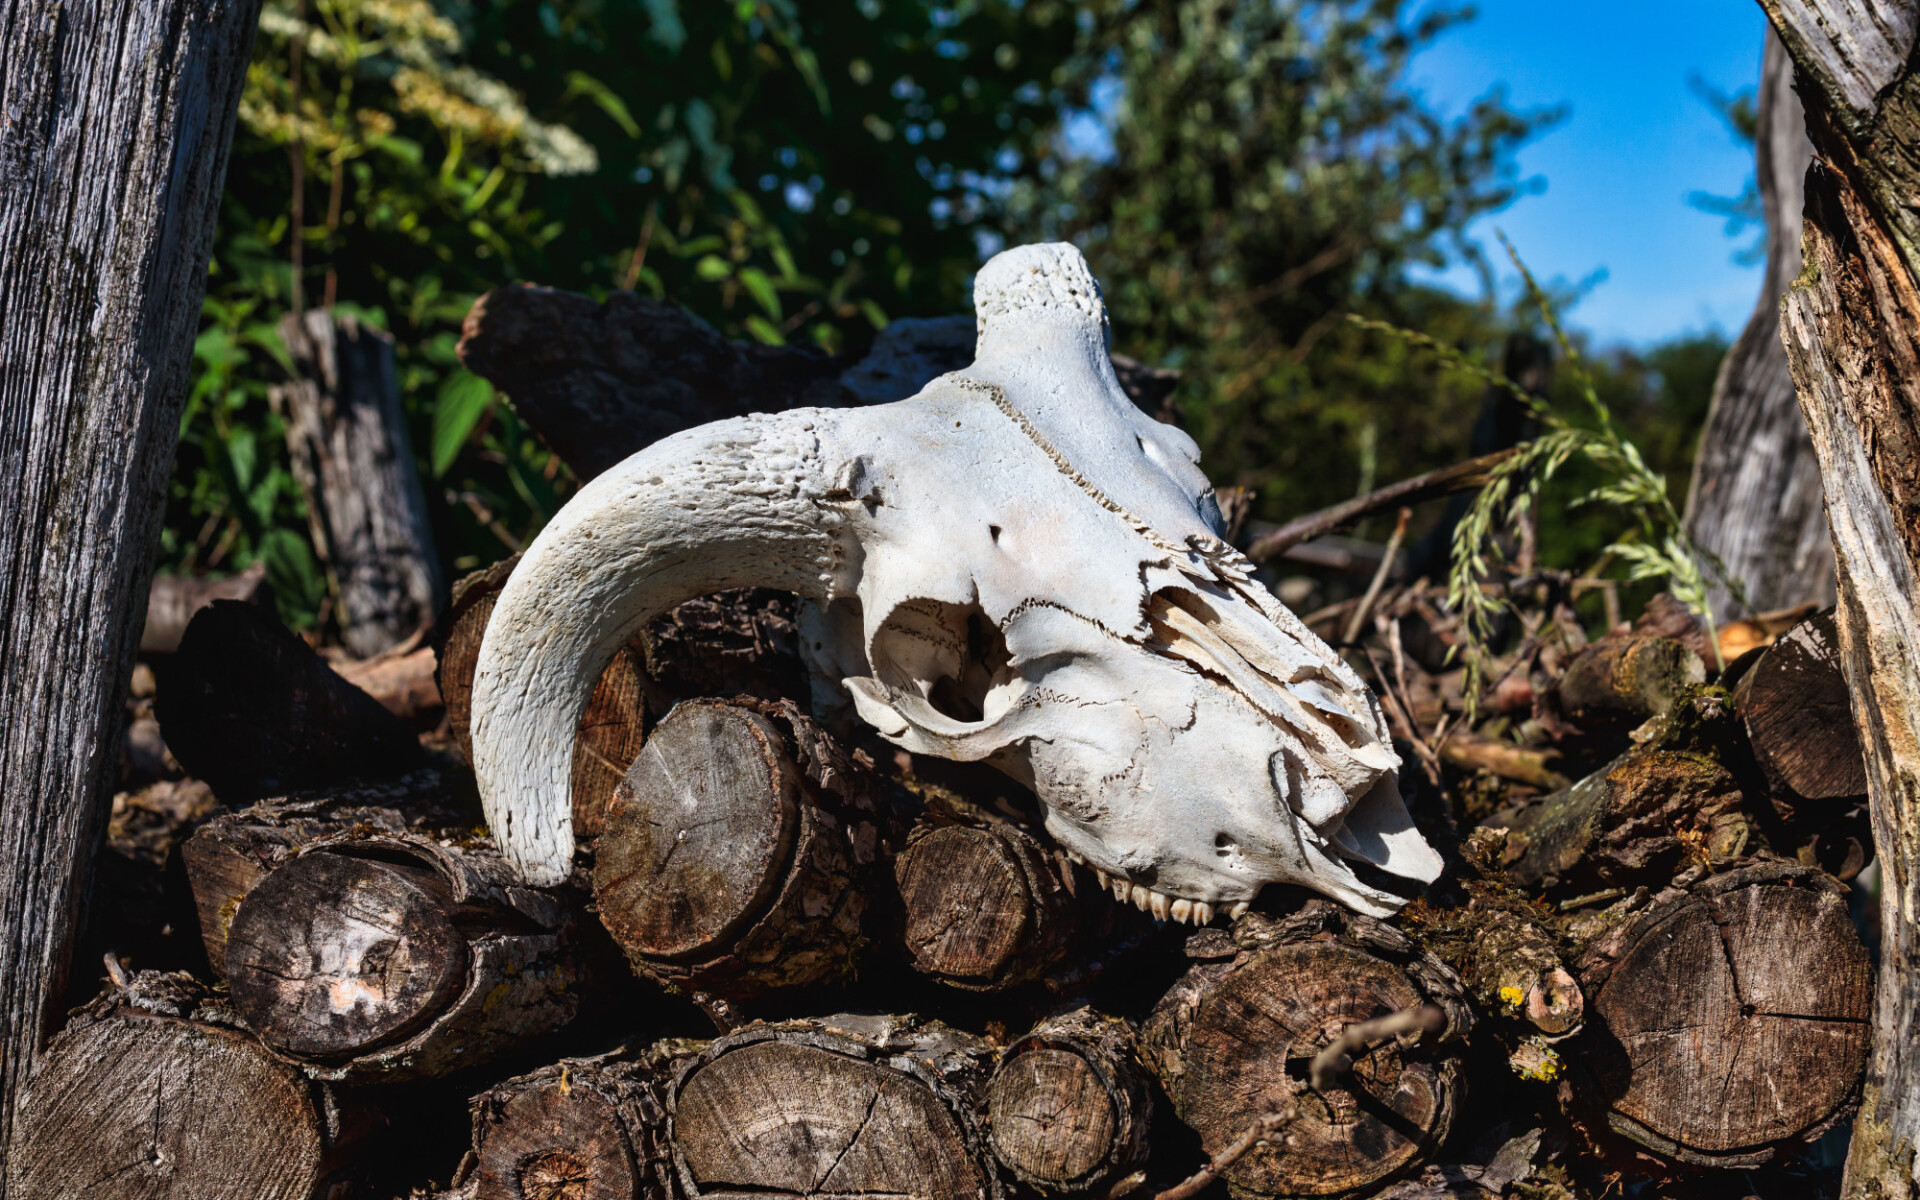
{"x":155,"y":1091}
{"x":1755,"y":500}
{"x":117,"y":123}
{"x":1729,"y":1017}
{"x":841,"y":1106}
{"x":1068,"y":1107}
{"x":1850,"y":322}
{"x":1231,"y":1043}
{"x":347,"y":437}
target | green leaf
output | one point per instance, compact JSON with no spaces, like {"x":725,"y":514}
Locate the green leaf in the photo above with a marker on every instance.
{"x":764,"y":330}
{"x":761,"y":289}
{"x":579,"y":83}
{"x":464,"y":398}
{"x":243,"y":452}
{"x":713,"y":268}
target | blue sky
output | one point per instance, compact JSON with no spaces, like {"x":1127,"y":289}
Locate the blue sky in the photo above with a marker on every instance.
{"x":1617,"y":172}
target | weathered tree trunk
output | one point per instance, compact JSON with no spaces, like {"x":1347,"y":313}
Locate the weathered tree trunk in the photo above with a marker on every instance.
{"x":368,"y":952}
{"x":1728,"y":1018}
{"x":581,"y":1129}
{"x":841,"y":1106}
{"x":1069,"y":1106}
{"x":1755,"y":500}
{"x":156,"y":1090}
{"x":1232,"y":1041}
{"x":251,"y":709}
{"x":984,"y":907}
{"x":1850,"y":324}
{"x":347,"y":436}
{"x":118,"y":119}
{"x":733,"y":853}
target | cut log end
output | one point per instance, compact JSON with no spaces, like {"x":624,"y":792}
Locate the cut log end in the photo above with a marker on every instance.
{"x":803,"y":1117}
{"x":984,"y":906}
{"x":1068,"y":1108}
{"x":571,"y":1132}
{"x":700,"y":833}
{"x":331,"y":956}
{"x":1733,"y":1017}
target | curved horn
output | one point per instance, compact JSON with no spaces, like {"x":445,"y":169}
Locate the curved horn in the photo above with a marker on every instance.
{"x":733,"y":504}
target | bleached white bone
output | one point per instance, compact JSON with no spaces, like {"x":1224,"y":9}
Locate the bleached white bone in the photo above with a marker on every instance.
{"x":1016,"y":566}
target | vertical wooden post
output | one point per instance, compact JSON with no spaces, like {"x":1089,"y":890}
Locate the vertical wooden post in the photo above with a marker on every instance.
{"x":1755,"y":499}
{"x":347,"y":436}
{"x":113,"y":150}
{"x":1851,"y":324}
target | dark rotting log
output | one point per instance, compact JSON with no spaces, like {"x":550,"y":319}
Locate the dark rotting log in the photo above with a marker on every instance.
{"x":1728,"y":1016}
{"x":581,"y":1129}
{"x":1233,"y":1041}
{"x":733,"y":852}
{"x":155,"y":1089}
{"x":1638,"y":820}
{"x":372,"y":953}
{"x":1627,"y":678}
{"x":983,"y":906}
{"x":251,"y":709}
{"x":839,"y":1106}
{"x":1797,"y":709}
{"x":738,"y":643}
{"x":1068,"y":1108}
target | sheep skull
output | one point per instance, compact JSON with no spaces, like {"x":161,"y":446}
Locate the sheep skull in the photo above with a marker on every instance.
{"x":1016,"y":566}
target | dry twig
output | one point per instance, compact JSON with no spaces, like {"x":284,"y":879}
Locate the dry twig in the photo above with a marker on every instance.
{"x":1332,"y":1063}
{"x":1460,"y":477}
{"x":1256,"y":1133}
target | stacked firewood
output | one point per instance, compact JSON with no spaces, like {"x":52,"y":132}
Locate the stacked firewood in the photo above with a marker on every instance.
{"x":794,"y":961}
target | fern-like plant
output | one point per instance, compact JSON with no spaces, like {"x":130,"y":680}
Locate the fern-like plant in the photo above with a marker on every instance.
{"x":1656,"y":545}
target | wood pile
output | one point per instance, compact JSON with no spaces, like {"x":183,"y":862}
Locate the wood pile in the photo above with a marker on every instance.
{"x":794,"y":962}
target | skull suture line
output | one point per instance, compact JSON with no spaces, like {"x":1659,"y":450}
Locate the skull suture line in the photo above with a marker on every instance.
{"x":1016,"y":566}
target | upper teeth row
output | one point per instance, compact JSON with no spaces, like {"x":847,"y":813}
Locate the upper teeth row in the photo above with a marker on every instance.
{"x":1161,"y":905}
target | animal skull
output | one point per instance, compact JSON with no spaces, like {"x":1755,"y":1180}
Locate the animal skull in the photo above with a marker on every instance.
{"x":1016,"y":566}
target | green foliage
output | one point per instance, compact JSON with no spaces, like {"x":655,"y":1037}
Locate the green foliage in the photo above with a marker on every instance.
{"x":790,"y":174}
{"x":1654,"y":545}
{"x":1271,"y":170}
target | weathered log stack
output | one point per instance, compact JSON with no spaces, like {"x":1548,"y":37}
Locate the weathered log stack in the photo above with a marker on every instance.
{"x":798,"y":962}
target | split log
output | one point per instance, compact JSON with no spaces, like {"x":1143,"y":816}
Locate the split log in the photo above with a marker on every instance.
{"x":347,"y":440}
{"x":1796,"y":707}
{"x":1850,"y":322}
{"x":1626,"y":679}
{"x":1069,"y":1107}
{"x":983,"y":907}
{"x":1728,"y":1016}
{"x":401,"y":683}
{"x":733,"y":643}
{"x":251,"y":709}
{"x":172,"y":601}
{"x":842,"y":1106}
{"x":581,"y":1129}
{"x":118,"y":120}
{"x":1637,"y":820}
{"x":733,"y":850}
{"x":1232,"y":1041}
{"x":1755,"y":499}
{"x":156,"y":1089}
{"x":372,"y":953}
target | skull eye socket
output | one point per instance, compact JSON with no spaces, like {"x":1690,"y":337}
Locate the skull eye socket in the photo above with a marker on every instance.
{"x":951,"y":655}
